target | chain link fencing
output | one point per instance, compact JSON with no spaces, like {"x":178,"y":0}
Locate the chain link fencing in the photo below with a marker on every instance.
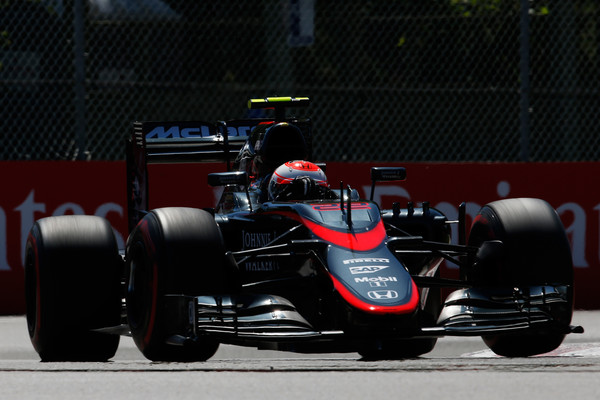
{"x":390,"y":80}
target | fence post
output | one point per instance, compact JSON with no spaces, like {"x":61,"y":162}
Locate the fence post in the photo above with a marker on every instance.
{"x":564,"y":42}
{"x":79,"y":60}
{"x":525,"y":89}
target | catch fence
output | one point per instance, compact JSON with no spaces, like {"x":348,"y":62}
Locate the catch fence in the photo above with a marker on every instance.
{"x":403,"y":80}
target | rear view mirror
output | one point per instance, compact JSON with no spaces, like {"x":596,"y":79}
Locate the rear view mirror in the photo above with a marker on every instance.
{"x":386,"y":174}
{"x":228,"y":178}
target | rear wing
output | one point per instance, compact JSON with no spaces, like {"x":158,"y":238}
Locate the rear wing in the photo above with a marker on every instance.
{"x":157,"y":142}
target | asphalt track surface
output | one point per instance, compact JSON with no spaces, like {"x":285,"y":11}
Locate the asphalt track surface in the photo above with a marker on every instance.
{"x":458,"y":368}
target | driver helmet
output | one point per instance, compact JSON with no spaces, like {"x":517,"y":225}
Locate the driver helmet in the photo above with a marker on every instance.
{"x":299,"y":180}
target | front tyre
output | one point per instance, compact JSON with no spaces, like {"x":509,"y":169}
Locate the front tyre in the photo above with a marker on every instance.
{"x":173,"y":251}
{"x":536,"y":252}
{"x":72,"y":286}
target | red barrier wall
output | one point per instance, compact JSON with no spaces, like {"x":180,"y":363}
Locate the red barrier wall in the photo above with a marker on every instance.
{"x":32,"y":190}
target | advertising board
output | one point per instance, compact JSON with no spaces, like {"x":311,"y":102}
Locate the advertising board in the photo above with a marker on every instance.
{"x":37,"y":189}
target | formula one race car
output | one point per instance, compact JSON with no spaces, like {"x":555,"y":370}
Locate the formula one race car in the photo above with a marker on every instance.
{"x":287,"y":262}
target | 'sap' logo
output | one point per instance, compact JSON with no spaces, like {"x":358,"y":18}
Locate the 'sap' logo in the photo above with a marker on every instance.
{"x":383,"y":294}
{"x":367,"y":269}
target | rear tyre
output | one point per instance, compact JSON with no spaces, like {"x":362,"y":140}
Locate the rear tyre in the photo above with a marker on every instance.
{"x":173,"y":251}
{"x":395,"y":349}
{"x":72,"y":286}
{"x":536,"y":252}
{"x":399,"y":349}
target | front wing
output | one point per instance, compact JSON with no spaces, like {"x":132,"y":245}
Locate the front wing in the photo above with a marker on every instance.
{"x":250,"y":319}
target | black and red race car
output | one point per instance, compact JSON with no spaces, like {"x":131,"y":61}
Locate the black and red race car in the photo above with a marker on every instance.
{"x":307,"y":271}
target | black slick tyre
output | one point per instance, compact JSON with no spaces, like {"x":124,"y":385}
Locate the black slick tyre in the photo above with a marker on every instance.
{"x":396,"y":349}
{"x":178,"y":251}
{"x":536,"y":252}
{"x":72,"y":286}
{"x":399,"y":349}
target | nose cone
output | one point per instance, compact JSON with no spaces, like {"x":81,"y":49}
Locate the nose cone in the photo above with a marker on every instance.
{"x":372,"y":281}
